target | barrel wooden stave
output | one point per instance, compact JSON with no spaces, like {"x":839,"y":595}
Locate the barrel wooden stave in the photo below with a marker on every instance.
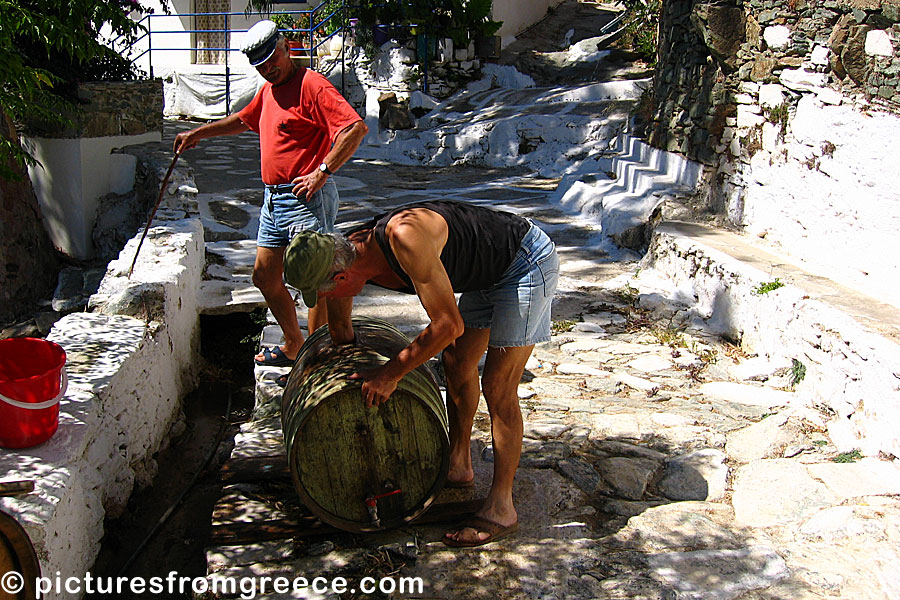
{"x":17,"y":554}
{"x":341,"y":452}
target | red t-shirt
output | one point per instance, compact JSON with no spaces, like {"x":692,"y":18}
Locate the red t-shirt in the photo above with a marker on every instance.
{"x":297,"y":123}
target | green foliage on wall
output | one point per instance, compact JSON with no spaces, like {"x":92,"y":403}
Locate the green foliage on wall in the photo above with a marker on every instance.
{"x":460,"y":20}
{"x":643,"y":27}
{"x":48,"y":47}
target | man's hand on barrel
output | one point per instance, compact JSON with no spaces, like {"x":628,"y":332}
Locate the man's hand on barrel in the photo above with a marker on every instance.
{"x":377,"y":386}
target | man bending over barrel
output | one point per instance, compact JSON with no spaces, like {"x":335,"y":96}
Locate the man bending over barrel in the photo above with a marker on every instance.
{"x":506,"y":269}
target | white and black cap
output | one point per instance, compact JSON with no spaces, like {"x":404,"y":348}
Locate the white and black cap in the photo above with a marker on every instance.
{"x":260,"y":41}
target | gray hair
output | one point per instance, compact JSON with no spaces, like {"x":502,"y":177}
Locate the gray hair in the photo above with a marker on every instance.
{"x":344,"y":252}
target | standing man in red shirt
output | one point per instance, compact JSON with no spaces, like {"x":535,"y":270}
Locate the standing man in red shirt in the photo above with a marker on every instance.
{"x":307,"y":131}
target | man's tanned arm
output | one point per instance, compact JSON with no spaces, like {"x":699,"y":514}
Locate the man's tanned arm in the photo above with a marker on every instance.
{"x":229,"y":125}
{"x":345,"y":144}
{"x":340,"y":326}
{"x":417,"y":238}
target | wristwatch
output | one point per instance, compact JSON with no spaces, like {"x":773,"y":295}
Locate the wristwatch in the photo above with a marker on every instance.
{"x":324,"y":168}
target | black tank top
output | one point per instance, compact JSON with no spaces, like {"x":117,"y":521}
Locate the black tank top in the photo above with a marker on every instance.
{"x":481,"y":242}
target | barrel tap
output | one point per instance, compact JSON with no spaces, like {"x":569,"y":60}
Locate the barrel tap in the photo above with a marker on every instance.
{"x":372,"y":503}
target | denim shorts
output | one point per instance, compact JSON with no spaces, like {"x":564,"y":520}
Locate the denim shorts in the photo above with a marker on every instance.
{"x":283,"y":215}
{"x":517,"y":308}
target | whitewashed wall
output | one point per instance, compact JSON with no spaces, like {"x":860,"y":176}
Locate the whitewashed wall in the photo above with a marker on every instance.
{"x":177,"y":27}
{"x":517,"y":15}
{"x":73,"y":175}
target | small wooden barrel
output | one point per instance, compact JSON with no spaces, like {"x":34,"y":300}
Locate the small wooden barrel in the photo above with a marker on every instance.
{"x":357,"y":468}
{"x":17,"y":555}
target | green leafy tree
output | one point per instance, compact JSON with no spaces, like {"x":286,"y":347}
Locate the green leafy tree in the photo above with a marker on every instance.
{"x":469,"y":19}
{"x":46,"y":48}
{"x":643,"y":27}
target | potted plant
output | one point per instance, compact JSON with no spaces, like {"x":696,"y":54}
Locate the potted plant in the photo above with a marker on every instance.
{"x":487,"y":42}
{"x":291,"y":30}
{"x":472,"y":21}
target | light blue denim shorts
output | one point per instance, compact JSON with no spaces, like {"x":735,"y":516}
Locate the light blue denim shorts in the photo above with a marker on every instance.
{"x":517,"y":308}
{"x":283,"y":215}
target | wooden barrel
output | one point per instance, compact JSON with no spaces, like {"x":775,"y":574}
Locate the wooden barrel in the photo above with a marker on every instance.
{"x":17,"y":555}
{"x":358,"y":468}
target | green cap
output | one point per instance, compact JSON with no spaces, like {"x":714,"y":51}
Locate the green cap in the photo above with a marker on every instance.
{"x":307,"y":263}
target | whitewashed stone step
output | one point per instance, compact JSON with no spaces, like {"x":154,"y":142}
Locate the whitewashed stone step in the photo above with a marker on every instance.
{"x":650,"y":363}
{"x":757,"y":368}
{"x":777,"y":492}
{"x":746,"y":394}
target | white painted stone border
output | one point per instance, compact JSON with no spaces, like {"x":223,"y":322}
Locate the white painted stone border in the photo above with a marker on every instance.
{"x":850,"y":371}
{"x":127,"y":375}
{"x":633,"y":183}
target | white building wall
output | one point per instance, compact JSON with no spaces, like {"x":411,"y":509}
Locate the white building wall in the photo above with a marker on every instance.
{"x":517,"y":15}
{"x":177,"y":27}
{"x":72,"y":176}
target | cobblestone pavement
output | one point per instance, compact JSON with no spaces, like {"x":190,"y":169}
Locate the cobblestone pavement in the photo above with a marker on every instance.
{"x":659,"y":461}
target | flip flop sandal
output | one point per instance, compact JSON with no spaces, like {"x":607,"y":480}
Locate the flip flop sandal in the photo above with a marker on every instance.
{"x":494,"y":530}
{"x":274,"y":357}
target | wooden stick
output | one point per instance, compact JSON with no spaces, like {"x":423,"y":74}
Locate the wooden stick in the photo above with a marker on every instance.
{"x":162,"y":191}
{"x":15,"y":488}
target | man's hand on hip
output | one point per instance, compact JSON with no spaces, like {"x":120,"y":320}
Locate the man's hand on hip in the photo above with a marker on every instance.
{"x":309,"y":184}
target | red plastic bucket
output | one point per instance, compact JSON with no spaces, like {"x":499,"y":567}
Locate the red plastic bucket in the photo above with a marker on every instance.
{"x":32,"y":380}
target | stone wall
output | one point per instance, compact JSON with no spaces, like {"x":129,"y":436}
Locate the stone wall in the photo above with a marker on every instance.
{"x":28,"y":262}
{"x":793,"y":108}
{"x":130,"y":360}
{"x":112,"y":108}
{"x":710,"y":48}
{"x":791,"y":104}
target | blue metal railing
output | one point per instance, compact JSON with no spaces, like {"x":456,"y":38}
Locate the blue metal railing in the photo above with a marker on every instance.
{"x":309,"y":16}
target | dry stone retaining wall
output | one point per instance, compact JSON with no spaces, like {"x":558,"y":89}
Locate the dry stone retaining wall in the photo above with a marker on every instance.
{"x":793,"y":107}
{"x":790,"y":105}
{"x":850,"y":373}
{"x":112,"y":108}
{"x":129,"y":363}
{"x":709,"y":49}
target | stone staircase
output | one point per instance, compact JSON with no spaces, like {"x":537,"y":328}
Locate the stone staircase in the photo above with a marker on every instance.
{"x":629,"y":185}
{"x":549,"y":130}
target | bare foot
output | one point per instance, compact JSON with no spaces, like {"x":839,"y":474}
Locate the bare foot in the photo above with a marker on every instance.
{"x":479,"y":530}
{"x":460,"y":476}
